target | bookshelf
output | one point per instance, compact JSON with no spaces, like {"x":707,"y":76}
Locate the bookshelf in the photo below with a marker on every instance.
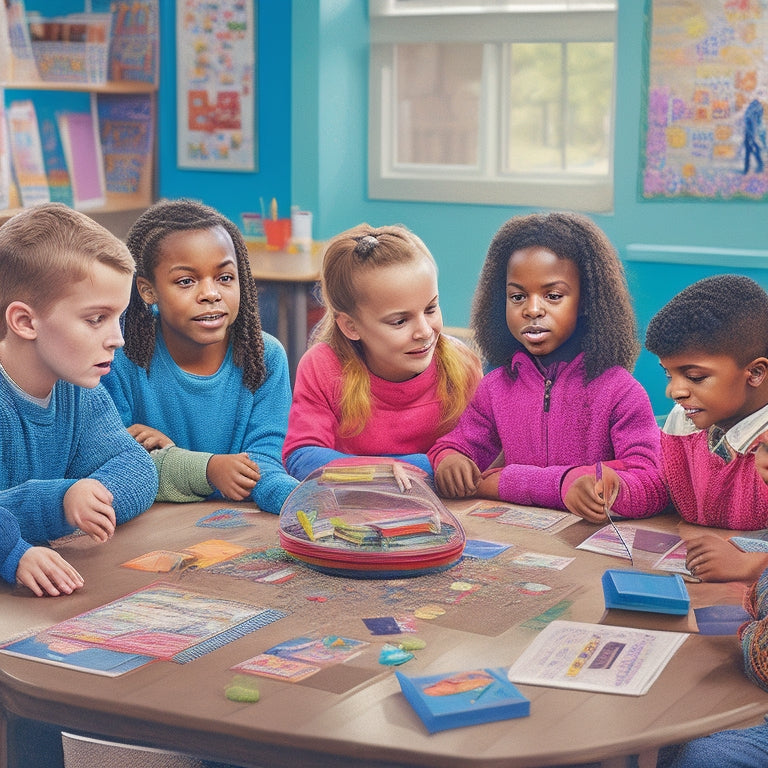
{"x":81,"y":92}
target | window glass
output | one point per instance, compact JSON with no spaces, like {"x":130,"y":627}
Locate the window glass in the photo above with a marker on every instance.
{"x":437,"y":103}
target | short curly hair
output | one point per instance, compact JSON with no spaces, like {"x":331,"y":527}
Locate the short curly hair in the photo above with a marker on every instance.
{"x":721,"y":315}
{"x":606,"y":322}
{"x":145,"y":240}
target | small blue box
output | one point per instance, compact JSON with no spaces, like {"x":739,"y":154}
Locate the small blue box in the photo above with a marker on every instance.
{"x":464,"y":698}
{"x":653,"y":592}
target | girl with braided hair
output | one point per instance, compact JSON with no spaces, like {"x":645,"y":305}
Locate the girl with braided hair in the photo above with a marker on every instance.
{"x":560,"y":422}
{"x":381,"y":378}
{"x":198,"y":383}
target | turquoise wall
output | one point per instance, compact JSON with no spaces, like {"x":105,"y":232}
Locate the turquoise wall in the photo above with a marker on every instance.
{"x":233,"y":193}
{"x":330,"y":49}
{"x":312,"y":128}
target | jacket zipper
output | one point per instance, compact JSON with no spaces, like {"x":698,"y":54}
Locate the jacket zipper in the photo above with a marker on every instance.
{"x":547,"y":392}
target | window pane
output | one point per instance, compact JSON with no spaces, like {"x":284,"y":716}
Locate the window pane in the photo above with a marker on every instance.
{"x":590,"y":74}
{"x":437,"y":103}
{"x":559,"y":110}
{"x":535,"y":138}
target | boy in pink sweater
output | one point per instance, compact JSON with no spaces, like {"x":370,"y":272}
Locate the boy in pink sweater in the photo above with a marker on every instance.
{"x":712,"y":341}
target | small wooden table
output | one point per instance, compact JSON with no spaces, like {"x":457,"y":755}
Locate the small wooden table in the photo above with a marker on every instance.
{"x":293,"y":273}
{"x":354,"y":714}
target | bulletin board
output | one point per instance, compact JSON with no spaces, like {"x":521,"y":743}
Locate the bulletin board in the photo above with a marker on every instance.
{"x":215,"y":84}
{"x":706,"y":105}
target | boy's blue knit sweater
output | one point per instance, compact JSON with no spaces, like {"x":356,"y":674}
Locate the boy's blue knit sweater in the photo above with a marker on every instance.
{"x":45,"y":450}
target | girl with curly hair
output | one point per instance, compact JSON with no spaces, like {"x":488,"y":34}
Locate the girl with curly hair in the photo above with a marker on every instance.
{"x":560,"y":422}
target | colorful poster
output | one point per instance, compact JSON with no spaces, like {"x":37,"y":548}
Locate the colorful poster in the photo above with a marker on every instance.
{"x":215,"y":44}
{"x":707,"y":100}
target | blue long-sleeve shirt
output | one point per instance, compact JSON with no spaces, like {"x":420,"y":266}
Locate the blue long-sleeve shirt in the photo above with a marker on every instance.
{"x":214,"y":414}
{"x":44,"y":450}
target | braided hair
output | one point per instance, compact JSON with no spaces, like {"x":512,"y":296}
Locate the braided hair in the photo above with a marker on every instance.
{"x":606,"y":323}
{"x":722,"y":314}
{"x":145,"y":240}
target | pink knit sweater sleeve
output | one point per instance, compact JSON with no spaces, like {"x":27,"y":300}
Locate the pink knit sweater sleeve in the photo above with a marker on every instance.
{"x":636,"y":445}
{"x":709,"y":491}
{"x":314,"y":415}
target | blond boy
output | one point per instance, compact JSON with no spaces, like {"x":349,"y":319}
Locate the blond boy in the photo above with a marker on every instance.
{"x":66,"y":461}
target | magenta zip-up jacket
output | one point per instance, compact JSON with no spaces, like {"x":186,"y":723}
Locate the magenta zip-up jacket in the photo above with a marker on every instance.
{"x":549,"y":425}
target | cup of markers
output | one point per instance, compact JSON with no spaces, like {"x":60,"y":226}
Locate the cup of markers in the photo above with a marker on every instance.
{"x":276,"y":230}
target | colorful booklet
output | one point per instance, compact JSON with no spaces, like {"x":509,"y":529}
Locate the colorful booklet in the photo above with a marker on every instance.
{"x":160,"y":622}
{"x":27,"y":153}
{"x":463,"y":698}
{"x":596,"y":657}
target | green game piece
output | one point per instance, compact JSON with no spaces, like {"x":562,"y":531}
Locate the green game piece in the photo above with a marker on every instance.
{"x":412,"y":644}
{"x":243,"y":691}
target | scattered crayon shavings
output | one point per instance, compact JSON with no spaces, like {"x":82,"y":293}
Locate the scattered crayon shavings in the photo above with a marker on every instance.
{"x":224,"y":518}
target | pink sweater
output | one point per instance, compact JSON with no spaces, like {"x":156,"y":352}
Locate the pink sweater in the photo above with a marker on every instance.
{"x":546,"y":429}
{"x":404,"y":417}
{"x":708,"y":491}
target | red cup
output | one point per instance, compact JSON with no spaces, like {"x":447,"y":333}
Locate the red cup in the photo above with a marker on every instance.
{"x":278,"y":233}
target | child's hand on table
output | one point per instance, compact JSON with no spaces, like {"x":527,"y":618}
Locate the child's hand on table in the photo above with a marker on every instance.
{"x":457,"y":476}
{"x":583,"y":500}
{"x":234,"y":475}
{"x":46,"y":572}
{"x":711,"y":558}
{"x":591,"y":495}
{"x":488,"y":485}
{"x":148,"y":437}
{"x":88,"y":506}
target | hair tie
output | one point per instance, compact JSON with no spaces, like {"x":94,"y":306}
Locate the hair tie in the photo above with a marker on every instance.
{"x":365,"y":245}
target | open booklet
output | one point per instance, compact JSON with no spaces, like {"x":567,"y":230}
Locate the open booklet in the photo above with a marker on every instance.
{"x":594,"y":657}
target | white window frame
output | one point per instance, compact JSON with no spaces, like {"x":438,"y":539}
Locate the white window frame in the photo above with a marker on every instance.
{"x":492,"y":23}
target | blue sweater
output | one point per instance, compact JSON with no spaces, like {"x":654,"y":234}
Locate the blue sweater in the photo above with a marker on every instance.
{"x":12,"y":546}
{"x":45,"y":450}
{"x":214,"y":414}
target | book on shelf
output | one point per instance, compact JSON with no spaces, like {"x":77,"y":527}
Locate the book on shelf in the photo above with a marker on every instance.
{"x":27,"y":153}
{"x":79,"y":133}
{"x":133,"y":51}
{"x":5,"y":157}
{"x":20,"y":59}
{"x":54,"y":159}
{"x":463,"y":698}
{"x":127,"y":139}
